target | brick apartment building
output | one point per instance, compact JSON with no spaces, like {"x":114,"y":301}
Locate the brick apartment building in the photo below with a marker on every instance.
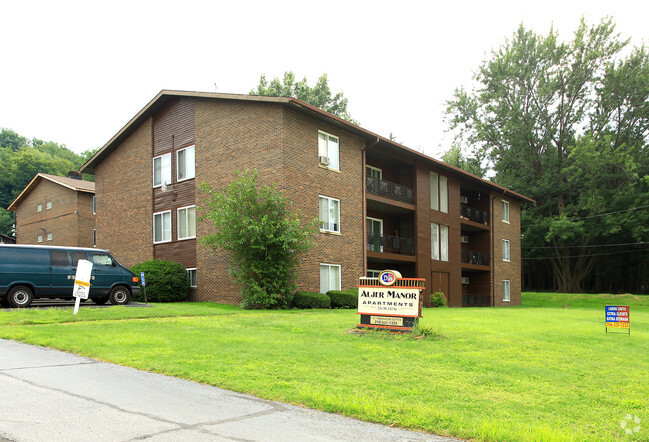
{"x":380,"y":205}
{"x":57,"y":211}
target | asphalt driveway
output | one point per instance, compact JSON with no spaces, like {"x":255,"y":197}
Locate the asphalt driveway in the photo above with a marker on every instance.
{"x":56,"y":396}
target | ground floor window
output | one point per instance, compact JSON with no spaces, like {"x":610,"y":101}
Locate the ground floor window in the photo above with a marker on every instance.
{"x":506,"y":290}
{"x":329,"y":277}
{"x":192,"y":277}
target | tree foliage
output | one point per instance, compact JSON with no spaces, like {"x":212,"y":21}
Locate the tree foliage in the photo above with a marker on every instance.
{"x":319,"y":95}
{"x":471,"y":164}
{"x":264,"y":238}
{"x":566,"y":123}
{"x":21,"y":159}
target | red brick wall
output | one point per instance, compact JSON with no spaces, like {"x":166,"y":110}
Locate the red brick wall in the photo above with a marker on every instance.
{"x":123,"y":185}
{"x":504,"y":270}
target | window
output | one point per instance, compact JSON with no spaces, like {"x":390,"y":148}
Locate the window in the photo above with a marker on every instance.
{"x":374,"y":234}
{"x":186,"y":163}
{"x":329,"y":214}
{"x":60,"y":259}
{"x":39,"y":208}
{"x":94,"y":237}
{"x":438,"y":192}
{"x":49,"y":236}
{"x":506,"y":290}
{"x":373,"y":172}
{"x":373,"y":273}
{"x":329,"y":277}
{"x":192,"y":277}
{"x":439,"y":242}
{"x":94,"y":205}
{"x":48,"y":205}
{"x":102,"y":259}
{"x":505,"y":211}
{"x":506,"y":254}
{"x":40,"y":238}
{"x":328,"y":148}
{"x":162,"y":170}
{"x":187,"y":222}
{"x":162,"y":227}
{"x":76,"y":256}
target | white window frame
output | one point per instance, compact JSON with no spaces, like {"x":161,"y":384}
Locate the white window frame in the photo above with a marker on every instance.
{"x":39,"y":238}
{"x":439,"y":242}
{"x":328,"y":221}
{"x":162,"y":225}
{"x":193,"y":269}
{"x":180,"y":237}
{"x":507,"y":286}
{"x":443,"y":242}
{"x":324,"y":149}
{"x":507,"y":252}
{"x":48,"y":205}
{"x":50,"y":235}
{"x":434,"y":241}
{"x":374,"y":169}
{"x":505,"y":212}
{"x":329,"y":266}
{"x":443,"y":194}
{"x":434,"y":191}
{"x":162,"y":159}
{"x":39,"y":207}
{"x":187,"y":149}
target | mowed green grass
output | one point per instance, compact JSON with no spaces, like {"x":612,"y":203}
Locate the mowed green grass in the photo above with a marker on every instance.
{"x":542,"y":371}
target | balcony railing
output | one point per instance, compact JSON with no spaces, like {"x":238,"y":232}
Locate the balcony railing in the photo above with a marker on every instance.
{"x":390,"y":190}
{"x":475,"y":257}
{"x":476,"y":300}
{"x":473,"y":214}
{"x":390,"y":244}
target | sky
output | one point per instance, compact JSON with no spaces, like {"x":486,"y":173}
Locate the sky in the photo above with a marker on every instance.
{"x":76,"y":72}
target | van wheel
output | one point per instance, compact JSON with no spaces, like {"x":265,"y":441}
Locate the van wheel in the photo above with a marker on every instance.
{"x":120,"y":296}
{"x":20,"y":296}
{"x":100,"y":301}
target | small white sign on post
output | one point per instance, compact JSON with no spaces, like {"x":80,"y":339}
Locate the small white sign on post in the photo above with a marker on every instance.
{"x":81,"y":282}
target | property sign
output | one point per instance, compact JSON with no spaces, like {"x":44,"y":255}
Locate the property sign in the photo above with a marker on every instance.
{"x":617,"y":317}
{"x":81,"y":287}
{"x":142,"y":277}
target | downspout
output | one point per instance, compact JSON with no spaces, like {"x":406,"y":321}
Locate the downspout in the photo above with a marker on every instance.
{"x":364,"y":187}
{"x":493,"y":255}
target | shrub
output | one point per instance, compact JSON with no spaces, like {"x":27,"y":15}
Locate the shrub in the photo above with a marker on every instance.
{"x":311,"y":300}
{"x":437,"y":299}
{"x":343,"y":299}
{"x":166,"y":281}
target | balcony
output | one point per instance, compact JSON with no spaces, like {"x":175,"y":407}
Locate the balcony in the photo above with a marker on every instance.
{"x":473,"y":214}
{"x":476,"y":300}
{"x":390,"y":244}
{"x":475,"y":257}
{"x":388,"y":189}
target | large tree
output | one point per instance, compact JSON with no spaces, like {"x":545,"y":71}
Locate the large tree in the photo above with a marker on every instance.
{"x":319,"y":95}
{"x":557,"y":119}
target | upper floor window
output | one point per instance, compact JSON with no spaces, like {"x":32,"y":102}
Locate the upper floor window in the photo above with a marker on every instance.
{"x":187,"y":222}
{"x":374,"y":172}
{"x":439,"y":242}
{"x":328,"y":150}
{"x":505,"y":211}
{"x":162,"y":227}
{"x":438,"y":192}
{"x":329,"y":214}
{"x":162,"y":170}
{"x":39,"y":238}
{"x":50,"y":236}
{"x":506,"y":290}
{"x":48,"y":205}
{"x":186,"y":163}
{"x":39,"y":208}
{"x":506,"y":251}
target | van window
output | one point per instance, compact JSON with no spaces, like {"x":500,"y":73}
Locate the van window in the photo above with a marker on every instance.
{"x":60,"y":259}
{"x":101,"y":259}
{"x":76,"y":256}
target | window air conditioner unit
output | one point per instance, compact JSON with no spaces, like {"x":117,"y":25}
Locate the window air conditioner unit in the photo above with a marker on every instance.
{"x":324,"y":160}
{"x":464,"y":199}
{"x":465,"y":280}
{"x":464,"y":239}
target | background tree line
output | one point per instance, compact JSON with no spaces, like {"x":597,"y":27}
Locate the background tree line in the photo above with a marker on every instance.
{"x":21,"y":159}
{"x":566,"y":123}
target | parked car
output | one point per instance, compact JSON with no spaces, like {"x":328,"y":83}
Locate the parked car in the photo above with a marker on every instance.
{"x":30,"y":272}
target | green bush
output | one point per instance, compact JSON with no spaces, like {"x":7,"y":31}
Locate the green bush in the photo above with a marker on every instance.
{"x":166,"y":281}
{"x":437,"y":299}
{"x":311,"y":300}
{"x":343,"y":299}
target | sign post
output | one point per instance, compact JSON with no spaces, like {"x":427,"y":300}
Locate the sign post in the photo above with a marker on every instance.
{"x":618,"y":317}
{"x":390,"y":302}
{"x":81,"y":287}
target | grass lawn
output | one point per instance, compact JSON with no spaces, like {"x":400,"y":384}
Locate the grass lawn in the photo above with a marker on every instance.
{"x":541,"y":371}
